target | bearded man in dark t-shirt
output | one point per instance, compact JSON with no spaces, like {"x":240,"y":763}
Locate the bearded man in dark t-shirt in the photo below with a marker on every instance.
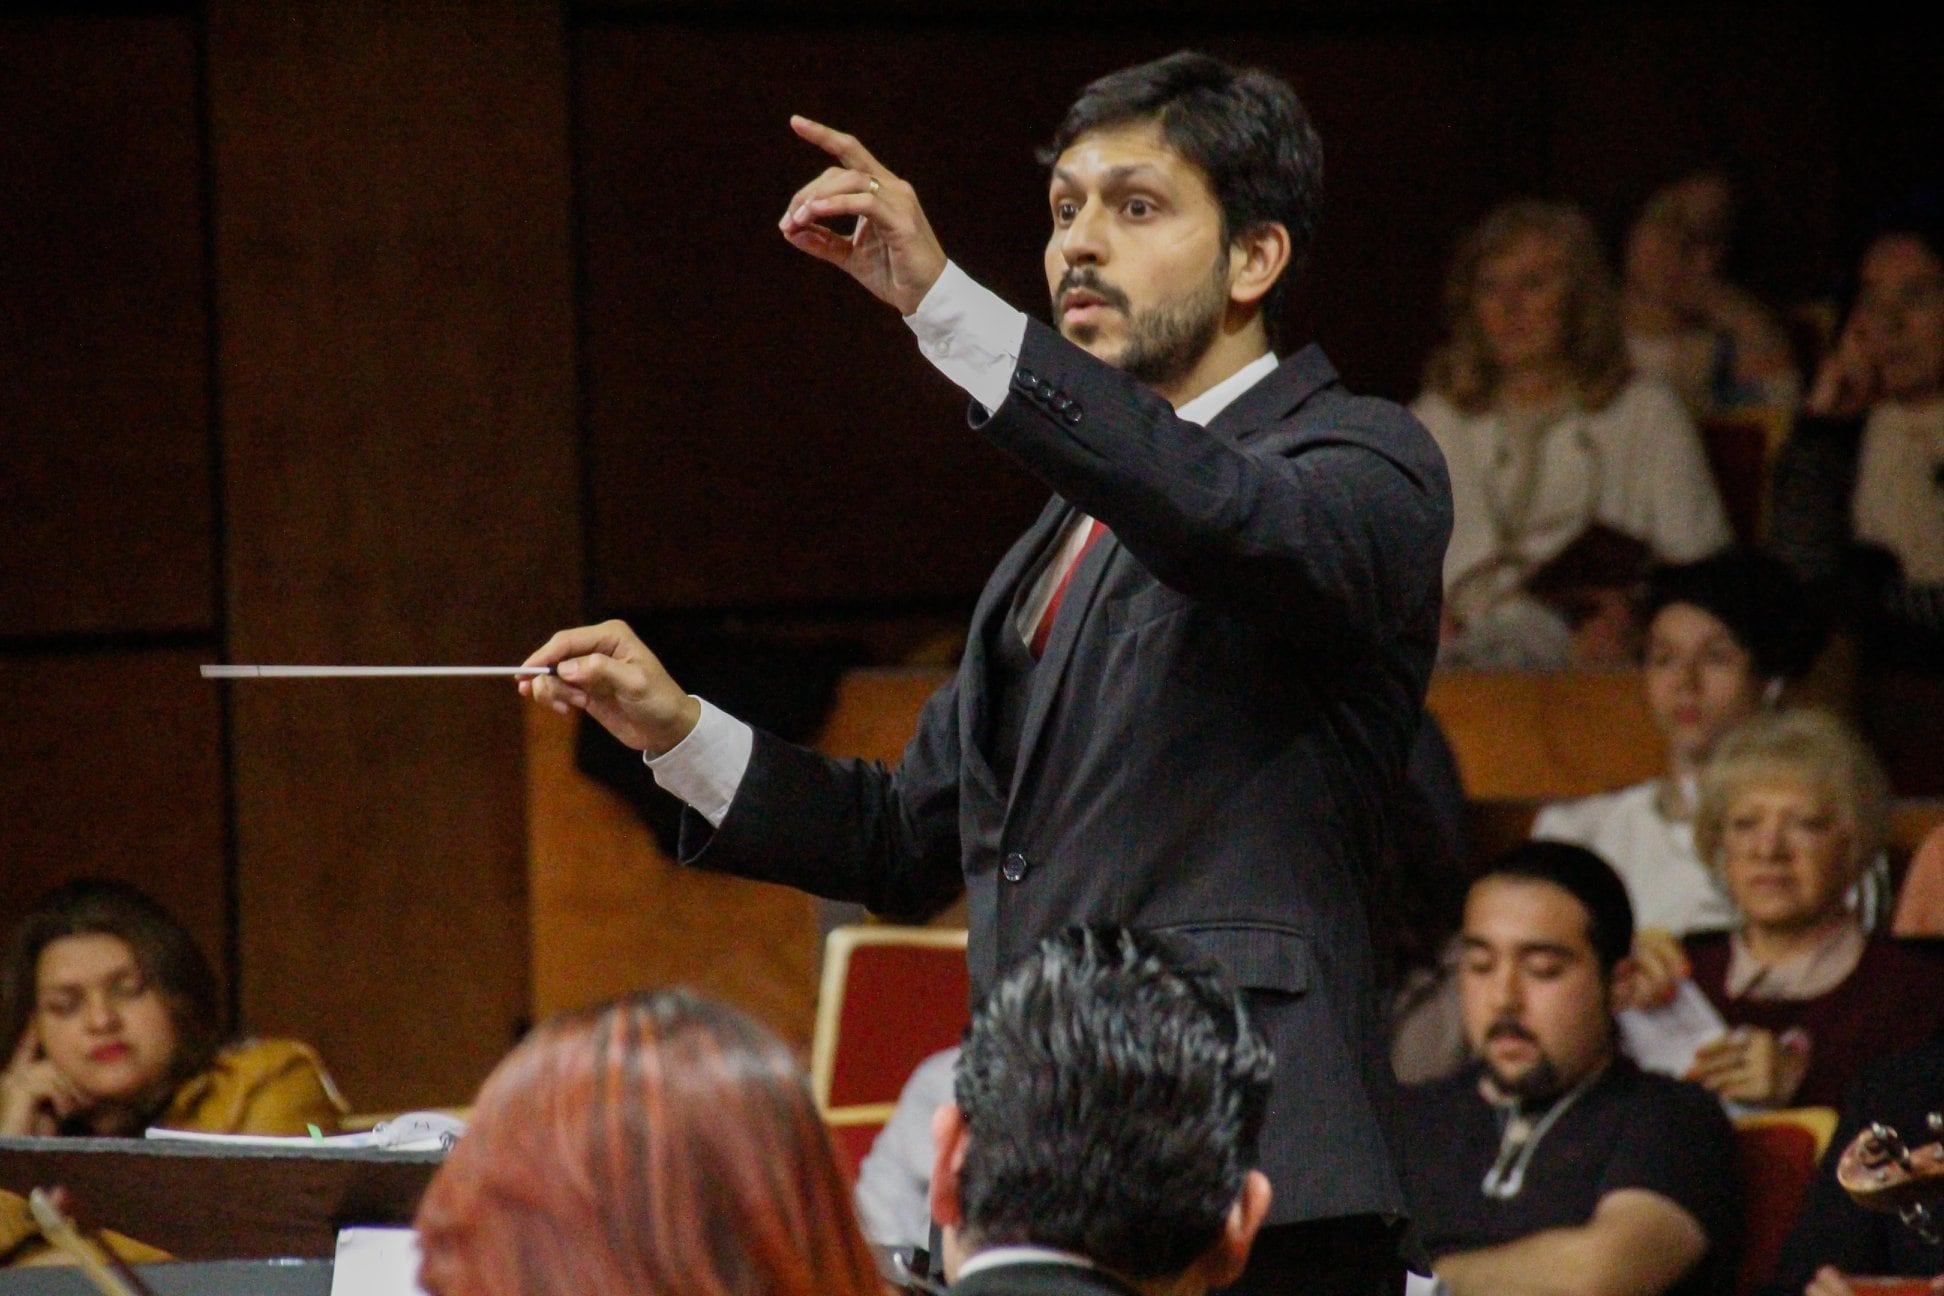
{"x":1555,"y":1162}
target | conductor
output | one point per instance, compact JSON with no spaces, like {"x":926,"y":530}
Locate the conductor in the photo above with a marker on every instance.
{"x":1189,"y":688}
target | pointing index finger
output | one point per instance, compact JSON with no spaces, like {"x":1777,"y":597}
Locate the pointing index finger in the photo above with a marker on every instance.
{"x":845,"y":148}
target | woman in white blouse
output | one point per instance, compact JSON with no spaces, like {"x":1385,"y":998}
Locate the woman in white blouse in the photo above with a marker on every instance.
{"x":1723,"y":636}
{"x":1547,"y":433}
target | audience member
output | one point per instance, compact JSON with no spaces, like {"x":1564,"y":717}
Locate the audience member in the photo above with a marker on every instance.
{"x":112,"y":1025}
{"x":1556,"y":1164}
{"x":1549,"y":437}
{"x":661,"y":1144}
{"x":894,"y":1182}
{"x":1858,"y":496}
{"x":1687,"y":325}
{"x":1107,"y":1108}
{"x":1835,"y":1239}
{"x":1791,"y":807}
{"x":1724,"y":635}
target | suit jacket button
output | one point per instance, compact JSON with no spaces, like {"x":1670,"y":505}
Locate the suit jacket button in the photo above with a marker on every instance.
{"x":1025,"y":378}
{"x":1072,"y":414}
{"x":1015,"y":867}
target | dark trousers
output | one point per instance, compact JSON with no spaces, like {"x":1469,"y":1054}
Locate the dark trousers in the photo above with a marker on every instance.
{"x":1356,"y":1255}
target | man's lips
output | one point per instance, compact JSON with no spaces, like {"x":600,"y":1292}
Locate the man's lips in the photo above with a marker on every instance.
{"x":1083,"y":304}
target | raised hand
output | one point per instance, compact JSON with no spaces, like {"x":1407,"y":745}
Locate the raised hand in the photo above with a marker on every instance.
{"x":34,"y":1096}
{"x":606,"y":671}
{"x":892,"y":251}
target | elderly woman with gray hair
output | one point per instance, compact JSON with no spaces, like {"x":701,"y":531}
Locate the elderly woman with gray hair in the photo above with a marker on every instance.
{"x":1792,"y":808}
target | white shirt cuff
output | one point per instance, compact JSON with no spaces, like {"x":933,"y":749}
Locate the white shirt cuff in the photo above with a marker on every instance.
{"x":706,"y":768}
{"x":970,"y":334}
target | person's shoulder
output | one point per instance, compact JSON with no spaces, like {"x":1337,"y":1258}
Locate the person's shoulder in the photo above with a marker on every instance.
{"x":1647,"y":406}
{"x":1581,"y":819}
{"x":259,"y":1086}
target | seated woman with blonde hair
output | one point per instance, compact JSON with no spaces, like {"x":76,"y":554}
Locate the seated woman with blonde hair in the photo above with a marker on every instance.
{"x":1791,"y":808}
{"x":110,"y":1019}
{"x":1555,"y":449}
{"x":660,"y":1144}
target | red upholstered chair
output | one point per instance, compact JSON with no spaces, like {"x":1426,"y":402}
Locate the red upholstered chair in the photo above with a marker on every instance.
{"x":891,"y":997}
{"x":1776,"y":1154}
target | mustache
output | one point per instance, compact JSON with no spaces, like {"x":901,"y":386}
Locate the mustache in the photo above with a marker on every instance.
{"x":1506,"y":1028}
{"x":1078,"y":277}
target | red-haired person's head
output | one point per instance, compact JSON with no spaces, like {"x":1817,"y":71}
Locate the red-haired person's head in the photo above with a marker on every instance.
{"x":660,"y":1144}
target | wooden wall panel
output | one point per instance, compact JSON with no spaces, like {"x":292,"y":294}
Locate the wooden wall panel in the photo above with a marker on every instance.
{"x":395,"y":295}
{"x":611,"y":913}
{"x":110,"y":767}
{"x":761,"y":432}
{"x":103,"y":335}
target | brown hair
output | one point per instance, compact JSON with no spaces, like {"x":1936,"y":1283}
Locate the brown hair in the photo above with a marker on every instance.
{"x":659,"y":1144}
{"x":166,"y":953}
{"x":1462,"y":369}
{"x":1801,"y":745}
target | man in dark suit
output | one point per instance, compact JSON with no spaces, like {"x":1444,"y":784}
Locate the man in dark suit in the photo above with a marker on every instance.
{"x":1190,"y":688}
{"x":1101,"y":1136}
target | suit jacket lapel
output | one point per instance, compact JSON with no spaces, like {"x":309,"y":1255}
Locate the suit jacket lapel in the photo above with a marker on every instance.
{"x":994,"y":608}
{"x":1052,"y":667}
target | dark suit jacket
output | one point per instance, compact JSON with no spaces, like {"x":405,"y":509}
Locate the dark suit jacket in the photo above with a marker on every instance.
{"x":1040,"y":1280}
{"x":1212,"y":739}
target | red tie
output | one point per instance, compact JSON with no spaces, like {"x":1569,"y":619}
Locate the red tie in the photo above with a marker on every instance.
{"x":1044,"y":630}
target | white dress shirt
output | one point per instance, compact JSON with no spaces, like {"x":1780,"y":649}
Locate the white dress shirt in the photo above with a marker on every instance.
{"x":974,"y":338}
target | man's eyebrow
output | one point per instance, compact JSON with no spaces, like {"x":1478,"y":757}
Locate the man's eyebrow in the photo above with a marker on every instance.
{"x":1112,"y":176}
{"x":1522,"y":948}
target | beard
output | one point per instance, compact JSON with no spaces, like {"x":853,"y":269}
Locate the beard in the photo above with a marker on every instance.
{"x":1538,"y":1081}
{"x":1164,"y":341}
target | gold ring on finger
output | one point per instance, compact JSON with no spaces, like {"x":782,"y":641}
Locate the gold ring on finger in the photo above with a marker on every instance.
{"x":875,"y":186}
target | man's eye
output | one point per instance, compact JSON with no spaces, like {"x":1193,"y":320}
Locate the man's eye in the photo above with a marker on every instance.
{"x":1138,"y":207}
{"x":1063,"y":212}
{"x":1545,"y":969}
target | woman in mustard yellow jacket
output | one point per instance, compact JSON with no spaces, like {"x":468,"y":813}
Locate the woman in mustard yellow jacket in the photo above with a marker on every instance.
{"x":110,"y":1023}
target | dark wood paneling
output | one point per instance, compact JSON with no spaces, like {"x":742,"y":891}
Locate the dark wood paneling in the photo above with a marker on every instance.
{"x":760,"y":431}
{"x":103,"y":336}
{"x":109,"y":767}
{"x":395,"y":290}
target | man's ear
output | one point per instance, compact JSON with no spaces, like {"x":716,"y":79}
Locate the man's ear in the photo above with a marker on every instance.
{"x":1258,"y":257}
{"x":949,"y":1139}
{"x":1620,"y":985}
{"x":1222,"y":1264}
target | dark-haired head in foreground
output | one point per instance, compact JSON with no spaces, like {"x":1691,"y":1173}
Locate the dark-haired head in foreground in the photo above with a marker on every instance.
{"x":1184,"y":153}
{"x":662,"y":1144}
{"x":1548,"y":927}
{"x":1108,"y":1103}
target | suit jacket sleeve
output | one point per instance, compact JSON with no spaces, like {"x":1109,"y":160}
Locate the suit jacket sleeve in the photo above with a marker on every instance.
{"x":1336,"y":543}
{"x":846,"y":829}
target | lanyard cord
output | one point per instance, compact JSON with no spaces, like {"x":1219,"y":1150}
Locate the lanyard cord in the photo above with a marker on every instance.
{"x":1519,"y":1140}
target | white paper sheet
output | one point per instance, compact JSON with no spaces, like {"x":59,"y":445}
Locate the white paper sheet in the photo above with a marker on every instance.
{"x":1666,"y":1039}
{"x":376,"y":1262}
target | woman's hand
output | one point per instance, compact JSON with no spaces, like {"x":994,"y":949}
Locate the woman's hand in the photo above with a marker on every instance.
{"x":1751,"y":1065}
{"x":1848,"y":383}
{"x":1660,"y":964}
{"x":34,"y":1096}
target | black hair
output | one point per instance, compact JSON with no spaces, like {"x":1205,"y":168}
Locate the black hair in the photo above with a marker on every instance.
{"x":1584,"y":876}
{"x":163,"y":949}
{"x":1113,"y":1091}
{"x":1758,"y":597}
{"x":1245,"y":129}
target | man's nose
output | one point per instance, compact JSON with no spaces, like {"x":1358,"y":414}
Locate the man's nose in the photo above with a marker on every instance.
{"x":1508,"y":992}
{"x":1083,"y":242}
